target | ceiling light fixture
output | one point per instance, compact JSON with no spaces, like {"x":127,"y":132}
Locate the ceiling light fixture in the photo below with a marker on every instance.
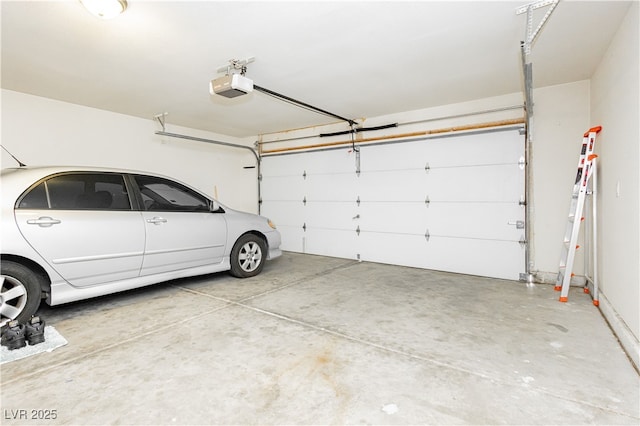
{"x":105,"y":9}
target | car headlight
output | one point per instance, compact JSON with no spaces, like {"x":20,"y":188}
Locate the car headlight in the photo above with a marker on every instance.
{"x":271,"y":224}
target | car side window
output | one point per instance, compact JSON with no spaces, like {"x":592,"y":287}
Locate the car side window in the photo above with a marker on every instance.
{"x":79,"y":191}
{"x":160,"y":194}
{"x":36,"y":198}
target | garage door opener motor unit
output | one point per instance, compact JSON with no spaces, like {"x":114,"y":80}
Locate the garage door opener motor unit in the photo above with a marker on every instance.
{"x":231,"y":86}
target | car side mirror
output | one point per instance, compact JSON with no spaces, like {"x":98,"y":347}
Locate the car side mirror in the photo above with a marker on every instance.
{"x":215,"y":206}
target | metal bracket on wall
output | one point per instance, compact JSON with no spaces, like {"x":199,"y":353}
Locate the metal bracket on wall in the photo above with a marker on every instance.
{"x":531,"y":34}
{"x":161,"y":118}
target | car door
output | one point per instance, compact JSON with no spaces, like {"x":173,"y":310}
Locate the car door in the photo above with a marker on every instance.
{"x":181,"y":230}
{"x":83,"y":225}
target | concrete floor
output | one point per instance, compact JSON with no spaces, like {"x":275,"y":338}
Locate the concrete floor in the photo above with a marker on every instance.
{"x":317,"y":340}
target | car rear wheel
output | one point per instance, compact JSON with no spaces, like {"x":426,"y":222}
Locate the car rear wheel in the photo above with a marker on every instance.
{"x":248,"y":256}
{"x":20,"y":292}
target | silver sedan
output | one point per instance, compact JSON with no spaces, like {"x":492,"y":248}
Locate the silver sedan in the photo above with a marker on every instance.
{"x":75,"y":233}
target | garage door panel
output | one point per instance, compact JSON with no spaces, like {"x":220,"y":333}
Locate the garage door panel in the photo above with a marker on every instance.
{"x":331,"y":187}
{"x":488,"y":183}
{"x":395,"y":157}
{"x":408,"y":218}
{"x":282,"y":188}
{"x":331,"y":242}
{"x":331,"y":215}
{"x":399,"y":185}
{"x":466,"y":256}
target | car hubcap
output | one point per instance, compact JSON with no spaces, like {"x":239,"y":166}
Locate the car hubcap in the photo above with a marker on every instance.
{"x":13,"y":298}
{"x":250,"y":256}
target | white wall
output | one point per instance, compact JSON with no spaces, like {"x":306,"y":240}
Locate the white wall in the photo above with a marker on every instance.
{"x":615,"y":100}
{"x":560,"y":118}
{"x":40,"y":131}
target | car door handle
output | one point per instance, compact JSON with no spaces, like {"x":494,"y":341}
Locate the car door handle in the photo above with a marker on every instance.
{"x":157,"y":220}
{"x":44,"y":221}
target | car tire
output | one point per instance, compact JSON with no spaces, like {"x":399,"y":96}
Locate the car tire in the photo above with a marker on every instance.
{"x":248,"y":256}
{"x":20,"y":292}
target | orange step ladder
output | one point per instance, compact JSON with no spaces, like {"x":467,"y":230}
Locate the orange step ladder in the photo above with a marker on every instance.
{"x":586,"y":166}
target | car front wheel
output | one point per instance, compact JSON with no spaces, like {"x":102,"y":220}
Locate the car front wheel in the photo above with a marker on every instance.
{"x":248,"y":256}
{"x":20,"y":292}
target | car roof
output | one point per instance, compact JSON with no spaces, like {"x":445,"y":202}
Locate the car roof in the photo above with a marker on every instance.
{"x":47,"y":170}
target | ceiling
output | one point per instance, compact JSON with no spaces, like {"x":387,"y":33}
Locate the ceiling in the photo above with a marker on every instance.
{"x":356,"y":59}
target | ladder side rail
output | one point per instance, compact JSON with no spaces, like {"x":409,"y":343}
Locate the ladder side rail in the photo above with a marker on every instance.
{"x":594,"y":230}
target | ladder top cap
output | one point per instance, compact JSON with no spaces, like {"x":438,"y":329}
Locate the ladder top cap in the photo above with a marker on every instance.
{"x":593,"y":129}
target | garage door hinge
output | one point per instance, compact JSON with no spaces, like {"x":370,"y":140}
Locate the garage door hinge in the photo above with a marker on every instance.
{"x":427,"y":168}
{"x":304,"y":200}
{"x":521,"y":163}
{"x":427,"y":201}
{"x":260,"y":200}
{"x":358,"y":230}
{"x":358,"y":201}
{"x":427,"y":235}
{"x":522,"y":201}
{"x":304,"y":174}
{"x":522,"y":241}
{"x":260,"y":177}
{"x":304,"y":227}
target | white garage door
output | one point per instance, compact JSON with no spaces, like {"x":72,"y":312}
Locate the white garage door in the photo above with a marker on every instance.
{"x":451,"y":203}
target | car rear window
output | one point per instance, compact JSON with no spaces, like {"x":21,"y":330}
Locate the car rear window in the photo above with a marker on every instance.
{"x":79,"y":191}
{"x":35,"y":199}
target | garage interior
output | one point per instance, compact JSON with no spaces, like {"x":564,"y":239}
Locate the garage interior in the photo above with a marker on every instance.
{"x":422,"y":210}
